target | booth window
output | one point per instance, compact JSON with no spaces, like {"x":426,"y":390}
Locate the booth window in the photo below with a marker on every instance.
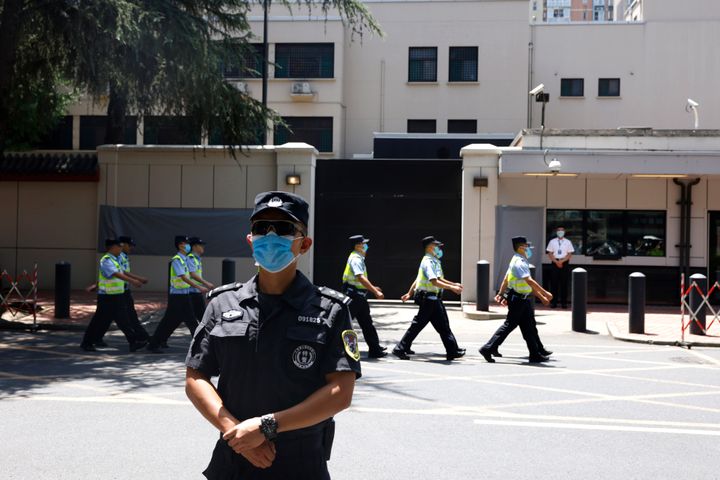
{"x":305,"y":60}
{"x":316,"y":131}
{"x":422,"y":64}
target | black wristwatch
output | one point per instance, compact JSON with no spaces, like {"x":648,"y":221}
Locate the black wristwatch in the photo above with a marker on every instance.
{"x":269,"y":426}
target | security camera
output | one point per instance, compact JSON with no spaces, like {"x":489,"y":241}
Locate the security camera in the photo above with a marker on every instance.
{"x":692,"y":103}
{"x":554,"y":165}
{"x":537,"y":89}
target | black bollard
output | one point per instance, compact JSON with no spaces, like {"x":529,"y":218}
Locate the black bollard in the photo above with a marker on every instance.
{"x":62,"y":290}
{"x":579,"y":300}
{"x":228,"y":271}
{"x":636,"y":303}
{"x":696,"y":302}
{"x":483,"y":286}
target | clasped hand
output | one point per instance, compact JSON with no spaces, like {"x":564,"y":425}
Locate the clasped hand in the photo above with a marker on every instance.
{"x":246,"y":439}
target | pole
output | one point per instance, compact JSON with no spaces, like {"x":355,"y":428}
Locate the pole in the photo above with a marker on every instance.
{"x":579,"y":300}
{"x":636,"y":303}
{"x":62,"y":290}
{"x":696,"y":304}
{"x":483,"y":286}
{"x":228,"y":271}
{"x":265,"y":65}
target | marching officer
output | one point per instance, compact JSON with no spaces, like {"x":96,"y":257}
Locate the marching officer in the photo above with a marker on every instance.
{"x":179,"y":307}
{"x":197,"y":246}
{"x":111,"y":303}
{"x":285,"y":353}
{"x":517,"y":291}
{"x":427,"y":292}
{"x":356,"y":286}
{"x":559,"y":250}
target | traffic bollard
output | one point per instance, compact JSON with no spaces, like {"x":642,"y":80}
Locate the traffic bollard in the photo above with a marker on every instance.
{"x":228,"y":271}
{"x":579,"y":300}
{"x":62,"y":290}
{"x":696,"y":303}
{"x":483,"y":286}
{"x":636,"y":303}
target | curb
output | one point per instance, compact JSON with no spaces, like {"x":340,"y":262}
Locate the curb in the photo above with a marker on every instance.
{"x":615,"y":333}
{"x":470,"y":313}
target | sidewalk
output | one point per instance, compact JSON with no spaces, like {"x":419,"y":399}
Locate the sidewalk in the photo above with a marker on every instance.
{"x":662,"y":324}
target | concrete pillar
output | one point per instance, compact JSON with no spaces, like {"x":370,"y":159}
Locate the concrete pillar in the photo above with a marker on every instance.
{"x":480,"y":165}
{"x":299,"y":159}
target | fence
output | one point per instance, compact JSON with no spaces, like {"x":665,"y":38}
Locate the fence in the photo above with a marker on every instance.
{"x":21,"y":296}
{"x":697,"y":306}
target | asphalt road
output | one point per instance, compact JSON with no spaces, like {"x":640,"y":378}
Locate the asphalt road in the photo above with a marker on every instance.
{"x":601,"y":409}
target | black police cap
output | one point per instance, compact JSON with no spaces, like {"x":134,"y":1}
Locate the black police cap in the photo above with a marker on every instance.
{"x":293,"y":205}
{"x":518,"y":241}
{"x":428,"y":240}
{"x":196,"y":241}
{"x":355,"y":239}
{"x":109,"y":242}
{"x":180,"y":239}
{"x":126,"y":239}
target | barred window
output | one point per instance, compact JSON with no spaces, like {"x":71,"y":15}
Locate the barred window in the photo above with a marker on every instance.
{"x":304,"y":60}
{"x":161,"y":130}
{"x":60,"y":137}
{"x":608,"y":87}
{"x":462,"y":126}
{"x":249,"y":65}
{"x":94,"y":127}
{"x":463,"y":64}
{"x":572,"y":87}
{"x":422,"y":64}
{"x":421,"y":126}
{"x":316,"y":131}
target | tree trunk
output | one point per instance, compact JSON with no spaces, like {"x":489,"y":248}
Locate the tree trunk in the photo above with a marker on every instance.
{"x":117,"y":109}
{"x":10,"y":28}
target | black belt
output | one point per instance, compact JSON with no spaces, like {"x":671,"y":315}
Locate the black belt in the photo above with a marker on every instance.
{"x":513,"y":295}
{"x":351,"y":290}
{"x":423,"y":294}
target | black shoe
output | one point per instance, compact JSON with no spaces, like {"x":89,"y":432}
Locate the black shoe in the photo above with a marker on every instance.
{"x":400,"y":354}
{"x":496,"y":353}
{"x":135,"y":346}
{"x":379,"y":354}
{"x":88,"y":347}
{"x":384,"y":349}
{"x":100,"y":343}
{"x":460,"y":352}
{"x":538,"y":358}
{"x":153,"y":348}
{"x":487,"y":355}
{"x":545,"y":353}
{"x":409,"y":351}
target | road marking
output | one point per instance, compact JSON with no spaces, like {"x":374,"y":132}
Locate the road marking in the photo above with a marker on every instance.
{"x":127,"y":398}
{"x":590,"y":426}
{"x":702,"y":356}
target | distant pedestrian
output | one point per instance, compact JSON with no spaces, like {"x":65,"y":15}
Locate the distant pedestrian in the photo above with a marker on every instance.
{"x":195,"y":267}
{"x":356,"y":286}
{"x":427,"y":290}
{"x":560,"y":250}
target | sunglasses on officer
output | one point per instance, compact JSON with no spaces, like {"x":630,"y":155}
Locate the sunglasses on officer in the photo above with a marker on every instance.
{"x":280,"y":227}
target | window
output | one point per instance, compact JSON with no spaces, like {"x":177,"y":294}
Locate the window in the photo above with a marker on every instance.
{"x":316,"y":131}
{"x":572,"y":87}
{"x":608,"y":87}
{"x":304,"y":60}
{"x":422,"y":64}
{"x":248,"y":66}
{"x":462,"y":126}
{"x":60,"y":137}
{"x":170,"y":131}
{"x":611,"y":234}
{"x":421,"y":126}
{"x":463,"y":64}
{"x":93,"y":128}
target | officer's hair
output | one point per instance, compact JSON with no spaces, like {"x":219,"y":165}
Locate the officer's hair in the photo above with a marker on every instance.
{"x":516,"y":245}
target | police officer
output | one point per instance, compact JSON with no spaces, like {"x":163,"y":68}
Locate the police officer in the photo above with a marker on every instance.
{"x":356,"y":286}
{"x":111,"y":303}
{"x":560,"y":250}
{"x":427,"y":292}
{"x":517,"y":291}
{"x":197,"y":250}
{"x":286,"y":356}
{"x":179,"y":307}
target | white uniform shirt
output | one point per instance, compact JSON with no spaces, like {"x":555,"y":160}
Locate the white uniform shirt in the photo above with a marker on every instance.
{"x":560,"y":247}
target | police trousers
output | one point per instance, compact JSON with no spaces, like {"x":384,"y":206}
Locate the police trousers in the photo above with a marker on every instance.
{"x":360,"y":312}
{"x":198,"y":303}
{"x":179,"y":310}
{"x":139,"y":331}
{"x":109,"y":308}
{"x":521,"y":313}
{"x":432,"y":310}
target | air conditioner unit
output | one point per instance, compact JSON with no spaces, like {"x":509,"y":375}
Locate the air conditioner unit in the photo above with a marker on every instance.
{"x":240,"y":86}
{"x":301,"y":88}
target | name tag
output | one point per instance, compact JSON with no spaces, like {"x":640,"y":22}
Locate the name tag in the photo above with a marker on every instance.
{"x":559,"y":252}
{"x":312,"y":320}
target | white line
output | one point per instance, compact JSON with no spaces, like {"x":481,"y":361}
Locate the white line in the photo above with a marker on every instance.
{"x":589,"y":426}
{"x":702,"y":356}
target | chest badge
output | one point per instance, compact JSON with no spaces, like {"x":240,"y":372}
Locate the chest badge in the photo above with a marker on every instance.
{"x":350,"y":340}
{"x":304,"y":357}
{"x":232,"y":315}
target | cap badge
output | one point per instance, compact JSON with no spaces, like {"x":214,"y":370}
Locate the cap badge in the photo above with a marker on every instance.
{"x":275,"y":202}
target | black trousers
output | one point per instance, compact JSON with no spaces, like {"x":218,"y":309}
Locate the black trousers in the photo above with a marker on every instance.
{"x":432,"y":310}
{"x":139,"y":331}
{"x":521,"y":313}
{"x":198,"y":303}
{"x":179,"y":310}
{"x":559,"y":280}
{"x":360,"y":311}
{"x":109,"y":308}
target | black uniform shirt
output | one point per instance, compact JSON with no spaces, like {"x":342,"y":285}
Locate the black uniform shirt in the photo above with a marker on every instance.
{"x":272,"y":361}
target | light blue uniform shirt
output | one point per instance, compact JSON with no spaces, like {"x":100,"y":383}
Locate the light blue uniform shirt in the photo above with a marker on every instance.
{"x":194,"y":264}
{"x":520,"y":266}
{"x":180,"y":269}
{"x":431,"y":267}
{"x":108,"y":268}
{"x":357,"y":265}
{"x":125,"y":265}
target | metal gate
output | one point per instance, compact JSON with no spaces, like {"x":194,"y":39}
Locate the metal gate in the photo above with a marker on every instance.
{"x":393,"y":202}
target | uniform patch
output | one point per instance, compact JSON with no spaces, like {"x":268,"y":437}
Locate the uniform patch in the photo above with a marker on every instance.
{"x":232,"y":314}
{"x":313,"y":320}
{"x":304,"y":356}
{"x":350,"y":340}
{"x":275,"y":202}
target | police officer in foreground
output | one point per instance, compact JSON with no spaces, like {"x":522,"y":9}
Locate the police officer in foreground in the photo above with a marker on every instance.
{"x":111,"y":304}
{"x":427,"y":292}
{"x":179,"y":307}
{"x":518,"y":290}
{"x":356,"y":286}
{"x":285,"y":353}
{"x":195,"y":267}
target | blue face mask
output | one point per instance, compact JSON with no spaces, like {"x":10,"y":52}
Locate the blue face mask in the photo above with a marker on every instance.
{"x":365,"y":247}
{"x":438,"y":253}
{"x":187,"y":248}
{"x":272,"y":252}
{"x":528,"y":253}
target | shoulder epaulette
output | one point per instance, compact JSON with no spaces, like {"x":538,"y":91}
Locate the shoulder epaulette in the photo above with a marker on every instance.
{"x":223,"y":288}
{"x":334,"y":295}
